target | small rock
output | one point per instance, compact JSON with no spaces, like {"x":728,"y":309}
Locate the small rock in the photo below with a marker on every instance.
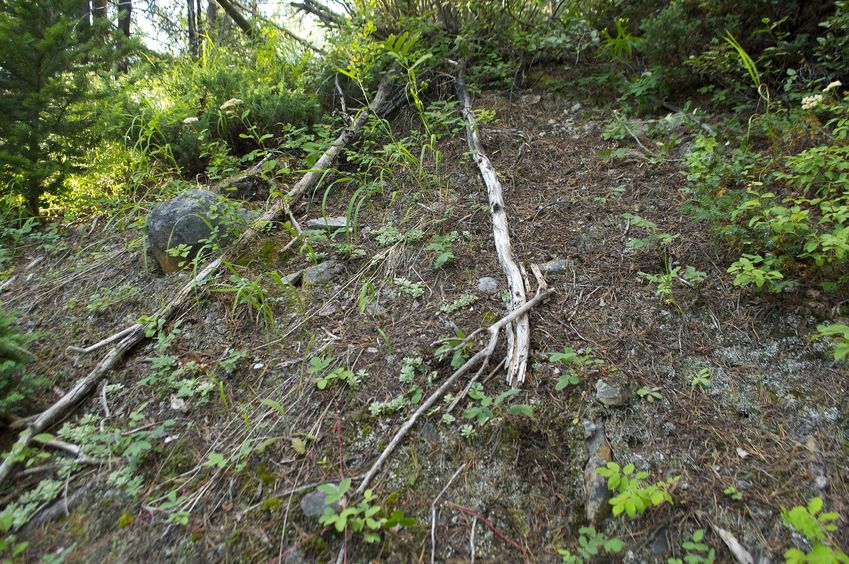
{"x":612,"y":394}
{"x":258,"y":366}
{"x":328,"y":223}
{"x":322,"y":273}
{"x":372,"y":350}
{"x":576,"y":108}
{"x":313,"y":504}
{"x":178,"y":404}
{"x":820,"y":482}
{"x":488,"y":285}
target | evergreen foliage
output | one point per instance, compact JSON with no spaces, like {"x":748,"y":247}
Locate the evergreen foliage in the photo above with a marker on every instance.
{"x":49,"y":60}
{"x":15,"y":384}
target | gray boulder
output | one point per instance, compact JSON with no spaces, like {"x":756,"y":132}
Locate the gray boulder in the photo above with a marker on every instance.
{"x":190,"y":219}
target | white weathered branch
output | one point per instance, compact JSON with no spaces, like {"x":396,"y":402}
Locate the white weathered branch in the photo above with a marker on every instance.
{"x":519,"y":332}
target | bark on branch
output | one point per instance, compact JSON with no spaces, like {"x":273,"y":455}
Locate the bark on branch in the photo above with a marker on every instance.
{"x":518,"y":331}
{"x":136,"y":333}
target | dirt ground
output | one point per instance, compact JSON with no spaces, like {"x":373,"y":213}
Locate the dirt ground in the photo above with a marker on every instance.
{"x":773,"y":423}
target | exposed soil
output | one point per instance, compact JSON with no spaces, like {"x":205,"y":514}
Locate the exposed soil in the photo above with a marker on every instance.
{"x":773,"y":423}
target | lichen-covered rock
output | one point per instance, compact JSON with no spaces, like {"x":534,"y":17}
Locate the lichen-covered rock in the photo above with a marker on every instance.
{"x":189,"y":222}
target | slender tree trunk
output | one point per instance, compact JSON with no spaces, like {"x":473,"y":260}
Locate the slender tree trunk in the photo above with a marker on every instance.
{"x":99,"y":9}
{"x":192,"y":28}
{"x":125,"y":11}
{"x":199,"y":24}
{"x":85,"y":15}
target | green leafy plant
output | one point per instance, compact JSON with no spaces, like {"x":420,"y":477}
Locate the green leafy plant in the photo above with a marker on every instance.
{"x":702,"y":379}
{"x":365,"y":517}
{"x":696,"y":552}
{"x":758,"y":270}
{"x":690,"y":277}
{"x":442,"y":245}
{"x":462,"y":302}
{"x":632,"y":497}
{"x":576,"y":362}
{"x":488,"y":407}
{"x":16,"y":385}
{"x":414,"y":290}
{"x":655,"y":239}
{"x":410,"y":367}
{"x":389,"y":235}
{"x":816,"y":527}
{"x":591,"y":544}
{"x":733,"y":493}
{"x":840,"y":333}
{"x":650,"y":393}
{"x":456,"y":346}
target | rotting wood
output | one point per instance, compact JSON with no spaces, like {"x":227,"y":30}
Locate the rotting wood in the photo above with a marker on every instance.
{"x":519,"y":332}
{"x":136,"y":333}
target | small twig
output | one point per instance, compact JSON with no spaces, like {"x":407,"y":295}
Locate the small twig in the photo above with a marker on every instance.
{"x":341,"y":94}
{"x":69,"y":448}
{"x":637,"y":139}
{"x":498,"y":532}
{"x":433,"y":513}
{"x":472,"y":380}
{"x":103,"y":403}
{"x":472,"y":537}
{"x":121,"y":334}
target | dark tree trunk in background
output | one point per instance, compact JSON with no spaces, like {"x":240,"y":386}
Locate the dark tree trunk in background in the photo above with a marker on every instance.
{"x":99,"y":8}
{"x":192,"y":27}
{"x":125,"y":12}
{"x":85,"y":15}
{"x":199,"y":23}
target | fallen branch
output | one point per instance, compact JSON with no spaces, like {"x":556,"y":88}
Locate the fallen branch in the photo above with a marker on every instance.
{"x":102,"y":343}
{"x":137,"y":333}
{"x":482,"y":358}
{"x":518,"y":332}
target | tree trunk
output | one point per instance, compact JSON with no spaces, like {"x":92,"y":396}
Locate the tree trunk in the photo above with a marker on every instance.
{"x":85,"y":15}
{"x":125,"y":11}
{"x":237,"y":17}
{"x":199,"y":22}
{"x":192,"y":29}
{"x":99,"y":9}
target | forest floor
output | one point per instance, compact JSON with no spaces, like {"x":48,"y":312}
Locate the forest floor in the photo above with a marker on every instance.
{"x":772,"y":423}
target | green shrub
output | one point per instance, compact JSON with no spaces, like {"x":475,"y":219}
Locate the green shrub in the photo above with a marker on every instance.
{"x":16,"y":385}
{"x":833,"y":46}
{"x":241,"y":96}
{"x":781,"y":197}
